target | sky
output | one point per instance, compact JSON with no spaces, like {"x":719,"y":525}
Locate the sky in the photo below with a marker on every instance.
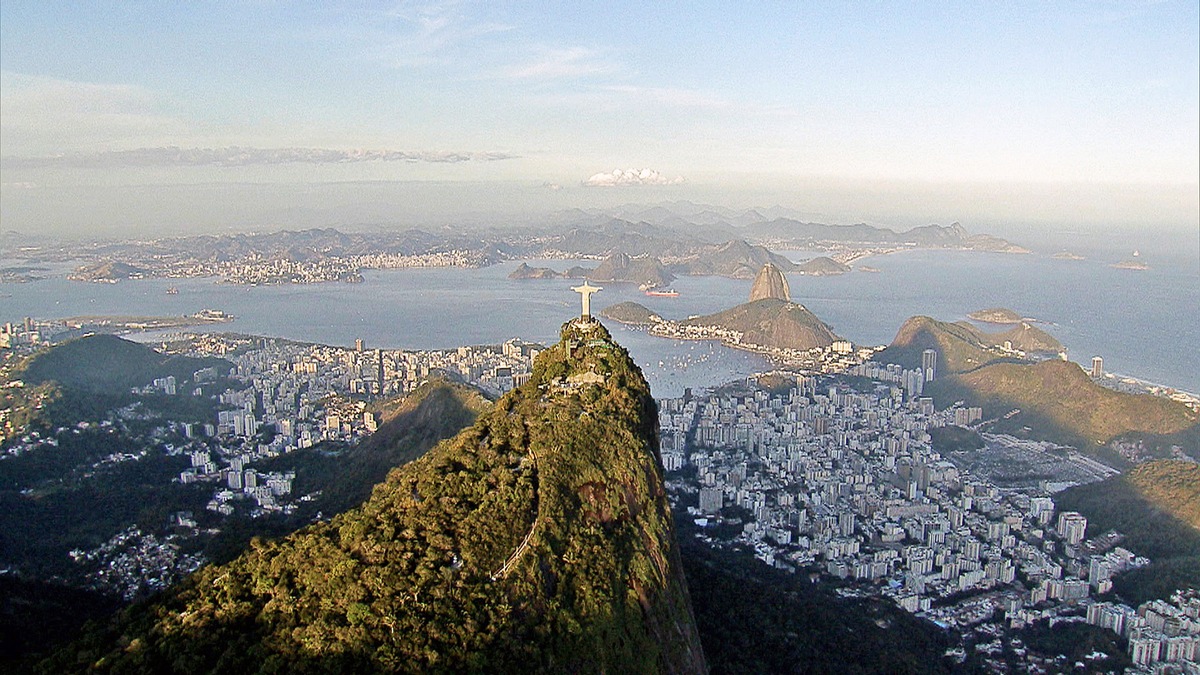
{"x":180,"y":117}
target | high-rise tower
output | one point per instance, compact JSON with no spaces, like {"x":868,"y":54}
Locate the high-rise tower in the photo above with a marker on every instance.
{"x":929,"y":364}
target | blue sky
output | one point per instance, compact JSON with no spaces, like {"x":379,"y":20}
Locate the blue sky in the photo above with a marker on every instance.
{"x":941,"y":104}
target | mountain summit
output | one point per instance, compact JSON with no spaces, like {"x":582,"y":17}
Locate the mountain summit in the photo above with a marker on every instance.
{"x":537,"y":540}
{"x":770,"y":283}
{"x":770,"y":318}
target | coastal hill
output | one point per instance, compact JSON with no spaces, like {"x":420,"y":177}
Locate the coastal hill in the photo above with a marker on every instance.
{"x":524,"y":271}
{"x":771,"y":322}
{"x":1054,"y":399}
{"x":80,"y":378}
{"x":957,"y":344}
{"x":107,"y":271}
{"x":1058,"y":400}
{"x":537,"y":540}
{"x":822,"y":266}
{"x":632,"y":313}
{"x":770,"y":319}
{"x":620,"y":267}
{"x":770,"y":283}
{"x":1027,"y":338}
{"x":616,"y":268}
{"x":960,"y":346}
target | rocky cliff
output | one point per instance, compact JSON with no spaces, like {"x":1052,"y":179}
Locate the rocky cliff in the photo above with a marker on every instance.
{"x":770,"y":283}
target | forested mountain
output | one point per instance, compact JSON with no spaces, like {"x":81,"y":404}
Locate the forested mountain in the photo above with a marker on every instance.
{"x":539,"y":539}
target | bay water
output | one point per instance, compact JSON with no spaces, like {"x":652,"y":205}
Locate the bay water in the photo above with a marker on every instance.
{"x":1142,"y":322}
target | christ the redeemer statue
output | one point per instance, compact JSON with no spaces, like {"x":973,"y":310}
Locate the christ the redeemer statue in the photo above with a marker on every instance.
{"x":586,"y":291}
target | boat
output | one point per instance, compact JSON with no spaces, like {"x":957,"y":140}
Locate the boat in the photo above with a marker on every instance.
{"x":172,"y":291}
{"x":668,"y":293}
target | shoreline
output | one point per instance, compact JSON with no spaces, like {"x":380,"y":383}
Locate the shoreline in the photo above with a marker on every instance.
{"x":773,"y":355}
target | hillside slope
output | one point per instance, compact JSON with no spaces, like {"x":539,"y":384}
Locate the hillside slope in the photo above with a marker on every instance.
{"x":103,"y":364}
{"x":771,"y":322}
{"x":957,"y":344}
{"x":1059,"y":399}
{"x":960,"y":346}
{"x":436,"y":410}
{"x":1171,"y":486}
{"x":1157,"y":506}
{"x":82,"y":378}
{"x":539,"y":539}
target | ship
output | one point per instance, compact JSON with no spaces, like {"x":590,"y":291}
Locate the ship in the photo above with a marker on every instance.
{"x":666,"y":293}
{"x":172,"y":291}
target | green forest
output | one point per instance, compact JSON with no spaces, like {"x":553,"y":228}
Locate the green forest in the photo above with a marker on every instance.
{"x":539,"y":539}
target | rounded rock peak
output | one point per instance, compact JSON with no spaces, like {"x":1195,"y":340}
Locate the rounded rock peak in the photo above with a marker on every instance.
{"x":770,"y":283}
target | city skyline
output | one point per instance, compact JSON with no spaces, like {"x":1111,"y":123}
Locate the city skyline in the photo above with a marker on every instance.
{"x":192,"y":118}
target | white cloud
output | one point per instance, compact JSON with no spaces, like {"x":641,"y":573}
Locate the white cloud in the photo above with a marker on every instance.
{"x":43,"y":114}
{"x":238,"y":156}
{"x":631,"y":177}
{"x":563,"y":63}
{"x":425,"y":33}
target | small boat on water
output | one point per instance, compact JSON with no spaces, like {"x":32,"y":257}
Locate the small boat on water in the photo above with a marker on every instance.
{"x":172,"y":291}
{"x":666,"y":293}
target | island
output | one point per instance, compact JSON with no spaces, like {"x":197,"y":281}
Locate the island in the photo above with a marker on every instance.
{"x":631,"y":313}
{"x":1131,"y":264}
{"x":109,"y":272}
{"x":21,"y":274}
{"x":822,"y":266}
{"x":995,"y":315}
{"x":525,"y":272}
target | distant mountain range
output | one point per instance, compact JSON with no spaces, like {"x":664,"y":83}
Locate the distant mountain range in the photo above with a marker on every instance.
{"x":735,"y":259}
{"x":776,"y":226}
{"x":688,"y":240}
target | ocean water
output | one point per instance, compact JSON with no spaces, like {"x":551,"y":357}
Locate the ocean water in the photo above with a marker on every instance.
{"x":1144,"y":323}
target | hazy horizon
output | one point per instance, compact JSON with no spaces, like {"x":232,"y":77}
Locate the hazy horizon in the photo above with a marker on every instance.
{"x":159,"y":117}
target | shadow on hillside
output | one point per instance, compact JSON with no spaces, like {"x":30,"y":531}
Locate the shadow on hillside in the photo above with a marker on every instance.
{"x":1172,"y":545}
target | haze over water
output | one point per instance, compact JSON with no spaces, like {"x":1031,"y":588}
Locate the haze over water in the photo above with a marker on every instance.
{"x":1141,"y":322}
